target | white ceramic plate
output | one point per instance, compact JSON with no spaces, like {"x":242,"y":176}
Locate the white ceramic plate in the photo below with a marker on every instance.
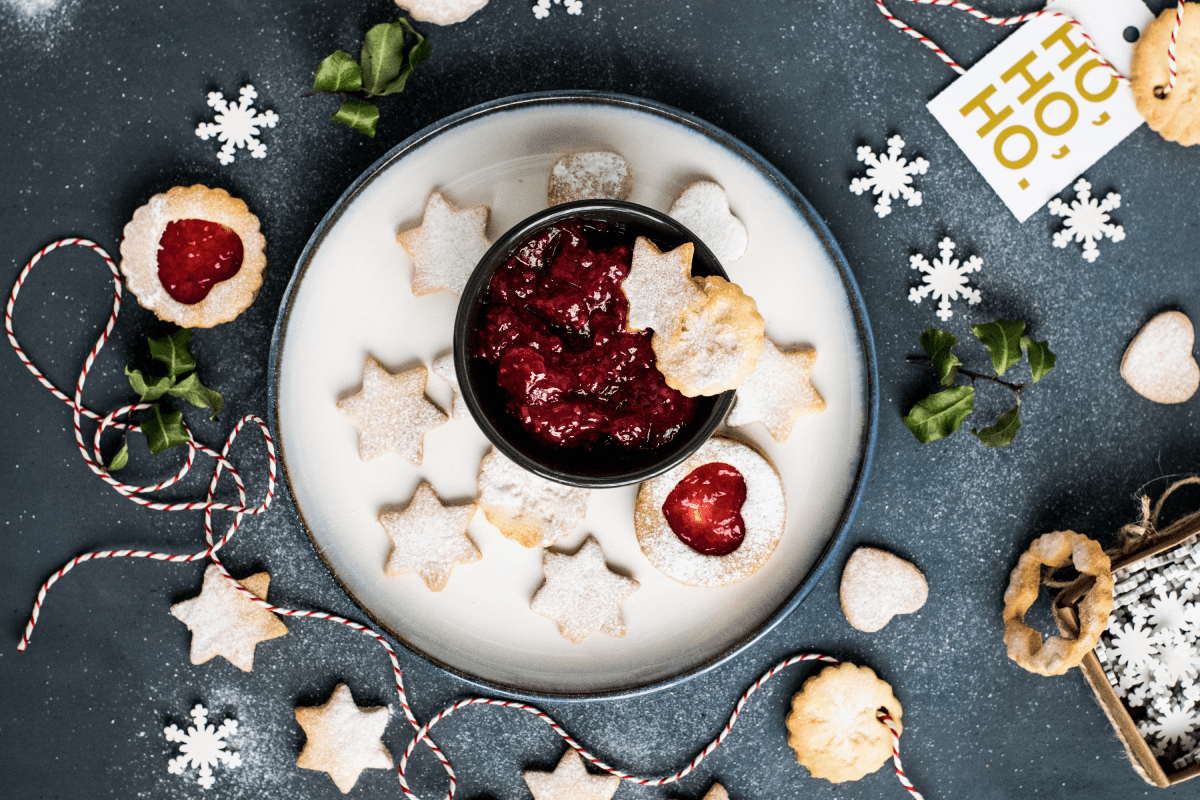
{"x":351,"y":296}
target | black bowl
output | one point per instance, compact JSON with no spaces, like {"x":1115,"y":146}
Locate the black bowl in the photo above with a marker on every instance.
{"x":594,"y":467}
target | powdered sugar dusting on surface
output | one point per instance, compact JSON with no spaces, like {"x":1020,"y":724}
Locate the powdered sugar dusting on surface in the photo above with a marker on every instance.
{"x":597,"y":175}
{"x":877,"y":585}
{"x":703,"y":209}
{"x":503,"y":485}
{"x":763,"y":514}
{"x":582,"y":594}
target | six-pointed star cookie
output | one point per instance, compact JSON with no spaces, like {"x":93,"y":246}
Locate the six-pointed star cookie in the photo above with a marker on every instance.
{"x":343,"y":738}
{"x":659,"y":287}
{"x":581,"y":593}
{"x":391,"y":412}
{"x":444,"y":369}
{"x":447,"y":246}
{"x":224,"y":622}
{"x":429,"y":538}
{"x":779,"y":391}
{"x":571,"y":781}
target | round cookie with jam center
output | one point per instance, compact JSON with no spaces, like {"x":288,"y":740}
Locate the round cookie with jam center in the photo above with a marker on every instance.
{"x":194,"y":256}
{"x":714,"y":519}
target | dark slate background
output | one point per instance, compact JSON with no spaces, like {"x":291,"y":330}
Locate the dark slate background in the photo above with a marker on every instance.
{"x":101,"y":101}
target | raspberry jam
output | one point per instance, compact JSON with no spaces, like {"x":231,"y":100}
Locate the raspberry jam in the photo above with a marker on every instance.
{"x":554,"y":329}
{"x":194,"y":255}
{"x":705,"y":509}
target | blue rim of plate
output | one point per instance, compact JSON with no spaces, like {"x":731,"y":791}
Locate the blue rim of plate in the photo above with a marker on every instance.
{"x":781,"y":183}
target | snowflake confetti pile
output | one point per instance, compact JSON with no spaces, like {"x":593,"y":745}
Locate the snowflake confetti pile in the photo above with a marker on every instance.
{"x":889,"y":176}
{"x":237,"y":125}
{"x":1151,"y":650}
{"x":1087,"y":220}
{"x":541,"y":9}
{"x":202,"y":746}
{"x":945,"y":279}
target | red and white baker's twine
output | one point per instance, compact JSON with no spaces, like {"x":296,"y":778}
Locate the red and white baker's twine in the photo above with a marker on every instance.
{"x":95,"y":462}
{"x":1172,"y":72}
{"x":998,"y":21}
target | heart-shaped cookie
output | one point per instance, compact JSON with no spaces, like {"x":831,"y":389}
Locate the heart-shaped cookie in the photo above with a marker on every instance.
{"x":1159,"y":363}
{"x":703,"y":209}
{"x":877,"y":586}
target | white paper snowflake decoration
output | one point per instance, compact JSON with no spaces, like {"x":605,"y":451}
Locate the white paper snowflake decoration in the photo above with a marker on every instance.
{"x":1174,"y":724}
{"x":945,"y":279}
{"x":1087,"y":220}
{"x":202,"y":746}
{"x":889,"y":176}
{"x":237,"y":125}
{"x":1132,"y":646}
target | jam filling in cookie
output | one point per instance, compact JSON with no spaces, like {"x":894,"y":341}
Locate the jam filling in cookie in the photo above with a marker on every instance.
{"x":555,"y":330}
{"x":705,"y":509}
{"x":194,"y":255}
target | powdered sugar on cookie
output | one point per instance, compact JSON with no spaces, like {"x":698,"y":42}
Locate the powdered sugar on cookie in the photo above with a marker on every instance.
{"x":391,"y":412}
{"x":659,"y":287}
{"x":703,"y":209}
{"x":444,"y":369}
{"x":571,"y":780}
{"x":1159,"y":364}
{"x":582,"y":594}
{"x":763,"y":515}
{"x":525,"y":507}
{"x":441,"y":12}
{"x":779,"y":391}
{"x":429,"y":538}
{"x":226,"y":623}
{"x":877,"y":585}
{"x":343,"y":738}
{"x":597,"y":175}
{"x":446,"y":247}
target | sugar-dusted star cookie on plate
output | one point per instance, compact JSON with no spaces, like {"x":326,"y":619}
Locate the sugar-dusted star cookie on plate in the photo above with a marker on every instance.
{"x":659,"y":287}
{"x":581,"y":593}
{"x":429,"y":538}
{"x":343,"y":738}
{"x":226,"y":623}
{"x":392,"y":413}
{"x":571,"y":781}
{"x":446,"y":247}
{"x":779,"y":391}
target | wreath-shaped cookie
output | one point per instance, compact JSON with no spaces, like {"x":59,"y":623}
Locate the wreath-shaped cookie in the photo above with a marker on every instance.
{"x":1056,"y":655}
{"x":194,"y":256}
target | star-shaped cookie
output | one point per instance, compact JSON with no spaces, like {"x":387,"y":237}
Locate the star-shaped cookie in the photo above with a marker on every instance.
{"x":447,"y":246}
{"x":429,"y":538}
{"x":659,"y":287}
{"x":779,"y":391}
{"x":444,"y":369}
{"x":581,"y":593}
{"x":343,"y":738}
{"x":716,"y":792}
{"x":571,"y":781}
{"x":392,"y":413}
{"x":224,"y":622}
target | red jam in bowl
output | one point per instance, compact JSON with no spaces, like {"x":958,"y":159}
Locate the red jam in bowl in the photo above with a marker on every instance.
{"x":705,"y":509}
{"x":194,"y":255}
{"x":554,"y":329}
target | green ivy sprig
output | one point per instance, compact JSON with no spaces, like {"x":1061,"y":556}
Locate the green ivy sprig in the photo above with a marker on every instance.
{"x":162,"y":427}
{"x":942,"y":413}
{"x":387,"y":62}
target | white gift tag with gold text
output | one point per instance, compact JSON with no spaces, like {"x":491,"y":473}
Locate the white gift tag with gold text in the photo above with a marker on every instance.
{"x":1041,"y":108}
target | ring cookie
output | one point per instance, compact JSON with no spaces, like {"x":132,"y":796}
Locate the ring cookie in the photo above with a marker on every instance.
{"x":1176,"y":117}
{"x":761,"y":515}
{"x":194,"y":256}
{"x":834,"y":726}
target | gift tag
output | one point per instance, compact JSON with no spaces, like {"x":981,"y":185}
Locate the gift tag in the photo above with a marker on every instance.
{"x":1041,"y":108}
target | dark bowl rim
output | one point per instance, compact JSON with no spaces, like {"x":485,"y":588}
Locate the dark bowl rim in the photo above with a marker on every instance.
{"x":492,"y":260}
{"x":285,"y":497}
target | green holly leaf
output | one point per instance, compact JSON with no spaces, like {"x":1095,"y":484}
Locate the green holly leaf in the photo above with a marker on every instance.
{"x":382,"y":57}
{"x":339,"y":73}
{"x":1002,"y":338}
{"x":121,"y":458}
{"x":149,"y":388}
{"x":937,"y":346}
{"x":359,"y":115}
{"x":419,"y":52}
{"x":199,"y":395}
{"x":164,"y":430}
{"x":941,"y":414}
{"x":1041,"y":360}
{"x":1003,"y":432}
{"x":175,"y":351}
